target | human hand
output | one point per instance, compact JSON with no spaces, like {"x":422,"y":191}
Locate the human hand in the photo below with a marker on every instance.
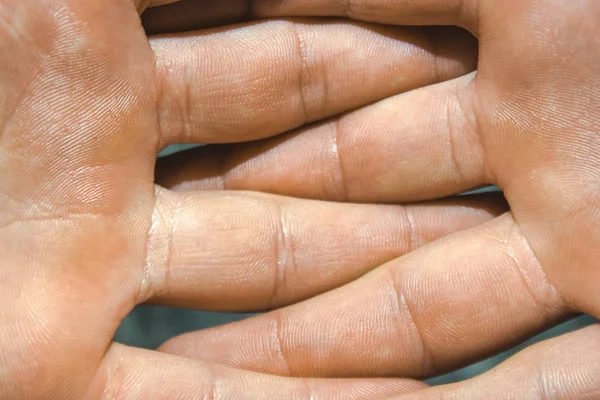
{"x":85,"y":235}
{"x":528,"y":121}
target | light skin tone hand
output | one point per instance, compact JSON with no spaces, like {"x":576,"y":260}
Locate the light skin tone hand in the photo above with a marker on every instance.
{"x":87,"y":103}
{"x":88,"y":100}
{"x":528,"y":121}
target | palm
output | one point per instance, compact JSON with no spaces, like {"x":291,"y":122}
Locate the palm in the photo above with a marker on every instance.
{"x":537,"y":122}
{"x":84,"y":164}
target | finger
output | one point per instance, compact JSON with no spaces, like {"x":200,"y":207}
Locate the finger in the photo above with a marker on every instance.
{"x":129,"y":373}
{"x":408,"y":12}
{"x":366,"y":155}
{"x":565,"y":367}
{"x":442,"y":306}
{"x":266,"y":78}
{"x":412,"y":12}
{"x":188,"y":15}
{"x":244,"y":251}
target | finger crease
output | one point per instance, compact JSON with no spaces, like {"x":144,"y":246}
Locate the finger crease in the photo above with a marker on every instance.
{"x":412,"y":230}
{"x":187,"y":107}
{"x":279,"y":343}
{"x":427,"y":359}
{"x":284,"y":257}
{"x":145,"y":287}
{"x":156,"y":260}
{"x":540,"y":301}
{"x":472,"y":119}
{"x":303,"y":68}
{"x":337,"y":137}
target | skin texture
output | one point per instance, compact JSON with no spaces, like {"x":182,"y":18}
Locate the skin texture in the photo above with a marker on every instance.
{"x":85,"y":234}
{"x":528,"y":121}
{"x":88,"y":101}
